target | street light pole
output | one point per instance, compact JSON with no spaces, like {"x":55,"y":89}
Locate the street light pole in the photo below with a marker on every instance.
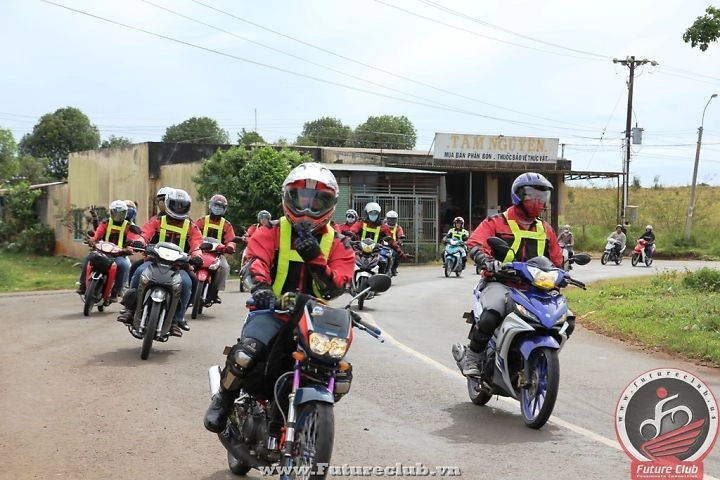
{"x":691,"y":206}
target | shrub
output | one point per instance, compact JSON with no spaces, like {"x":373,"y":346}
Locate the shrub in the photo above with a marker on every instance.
{"x":703,"y":280}
{"x":37,"y":239}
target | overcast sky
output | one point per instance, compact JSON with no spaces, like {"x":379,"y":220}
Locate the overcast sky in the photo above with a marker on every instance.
{"x":513,"y":68}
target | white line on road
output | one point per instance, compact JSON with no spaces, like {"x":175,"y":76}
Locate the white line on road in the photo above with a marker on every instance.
{"x":554,"y":420}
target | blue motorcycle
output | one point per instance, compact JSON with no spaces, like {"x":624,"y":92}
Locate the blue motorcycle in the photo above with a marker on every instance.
{"x":453,"y":257}
{"x":521,"y":360}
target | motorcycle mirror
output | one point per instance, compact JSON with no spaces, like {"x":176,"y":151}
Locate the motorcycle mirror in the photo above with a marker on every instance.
{"x":380,"y":282}
{"x":236,"y":239}
{"x":135,"y":229}
{"x":498,"y":246}
{"x":581,"y":258}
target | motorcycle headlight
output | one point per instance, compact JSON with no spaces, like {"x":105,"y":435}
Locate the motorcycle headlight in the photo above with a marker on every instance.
{"x":524,"y":312}
{"x":543,"y":279}
{"x":338,"y":348}
{"x":319,"y":343}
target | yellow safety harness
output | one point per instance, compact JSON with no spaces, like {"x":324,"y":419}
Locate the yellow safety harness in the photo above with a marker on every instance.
{"x":220,"y":227}
{"x":111,"y":227}
{"x":182,"y":231}
{"x":367,"y":230}
{"x":287,"y":254}
{"x":520,"y":235}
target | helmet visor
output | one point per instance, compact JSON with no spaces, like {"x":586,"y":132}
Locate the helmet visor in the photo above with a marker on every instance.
{"x":392,"y":221}
{"x":309,"y":200}
{"x":178,"y":208}
{"x":350,"y":218}
{"x":118,"y":216}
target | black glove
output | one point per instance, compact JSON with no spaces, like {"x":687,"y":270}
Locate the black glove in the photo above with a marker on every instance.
{"x":306,"y":244}
{"x":263,"y":296}
{"x":492,"y":265}
{"x":196,"y":261}
{"x":137,"y":244}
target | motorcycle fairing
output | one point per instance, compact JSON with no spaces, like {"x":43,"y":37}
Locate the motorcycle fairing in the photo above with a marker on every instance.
{"x":548,"y":307}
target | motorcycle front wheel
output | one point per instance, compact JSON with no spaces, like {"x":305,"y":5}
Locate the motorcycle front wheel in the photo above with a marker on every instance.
{"x":314,"y":435}
{"x":634,"y":259}
{"x":238,"y":467}
{"x":604,"y":258}
{"x":197,"y":300}
{"x":537,"y":400}
{"x":448,"y":268}
{"x":91,"y":292}
{"x":150,"y":327}
{"x":362,"y":285}
{"x":648,"y":261}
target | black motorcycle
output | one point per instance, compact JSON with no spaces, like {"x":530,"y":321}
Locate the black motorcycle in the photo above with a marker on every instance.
{"x":158,"y":294}
{"x":282,"y":422}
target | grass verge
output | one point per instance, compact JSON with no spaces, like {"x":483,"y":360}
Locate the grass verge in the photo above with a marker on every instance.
{"x":21,"y":272}
{"x":671,"y":312}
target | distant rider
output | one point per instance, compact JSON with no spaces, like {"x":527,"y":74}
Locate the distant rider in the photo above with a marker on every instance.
{"x":351,"y":216}
{"x":392,"y":230}
{"x":215,"y":225}
{"x":458,"y":232}
{"x":620,"y":239}
{"x":566,"y":239}
{"x":649,"y":237}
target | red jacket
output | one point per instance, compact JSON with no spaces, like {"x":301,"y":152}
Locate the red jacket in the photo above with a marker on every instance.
{"x":358,"y":226}
{"x":330,"y":274}
{"x":497,"y":226}
{"x":228,"y":232}
{"x":128,"y":236}
{"x":193,"y":238}
{"x":343,"y":228}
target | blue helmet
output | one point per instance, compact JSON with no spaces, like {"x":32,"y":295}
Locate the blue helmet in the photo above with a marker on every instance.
{"x":530,"y":192}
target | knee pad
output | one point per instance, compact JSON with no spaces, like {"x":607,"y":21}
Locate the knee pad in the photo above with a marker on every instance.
{"x":240,"y":359}
{"x":129,"y":299}
{"x":488,"y":321}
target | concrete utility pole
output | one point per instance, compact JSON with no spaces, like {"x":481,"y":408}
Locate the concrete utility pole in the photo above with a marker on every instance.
{"x":691,"y":206}
{"x":631,"y":63}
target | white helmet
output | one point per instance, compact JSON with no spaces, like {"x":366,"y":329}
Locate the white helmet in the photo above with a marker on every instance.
{"x":118,"y":210}
{"x":177,"y":204}
{"x":649,"y":227}
{"x":372,"y":212}
{"x":310,"y":194}
{"x":391,"y":218}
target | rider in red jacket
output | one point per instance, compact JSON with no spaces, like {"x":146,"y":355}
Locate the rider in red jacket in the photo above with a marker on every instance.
{"x":299,"y":253}
{"x":528,"y":236}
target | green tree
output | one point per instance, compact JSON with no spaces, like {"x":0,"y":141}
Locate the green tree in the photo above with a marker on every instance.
{"x":386,"y":131}
{"x":58,"y":134}
{"x":250,"y":138}
{"x":116,"y":142}
{"x":196,"y":130}
{"x":8,"y":155}
{"x":704,"y":30}
{"x":251,"y":179}
{"x":325,"y":131}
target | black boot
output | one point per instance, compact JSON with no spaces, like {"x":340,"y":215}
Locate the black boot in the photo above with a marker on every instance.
{"x":219,"y":409}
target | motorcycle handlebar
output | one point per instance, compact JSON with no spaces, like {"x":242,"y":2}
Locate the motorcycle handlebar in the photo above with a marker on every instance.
{"x":362,"y":325}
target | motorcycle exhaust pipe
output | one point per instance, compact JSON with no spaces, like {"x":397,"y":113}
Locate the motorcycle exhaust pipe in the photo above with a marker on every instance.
{"x":214,"y":379}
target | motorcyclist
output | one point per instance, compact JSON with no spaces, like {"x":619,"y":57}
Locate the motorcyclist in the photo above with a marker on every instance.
{"x":649,"y":237}
{"x":351,"y":216}
{"x":566,"y":239}
{"x":620,"y":239}
{"x":217,"y":226}
{"x":301,"y":252}
{"x":115,"y":229}
{"x":264,"y":219}
{"x":528,"y":236}
{"x":131,"y":211}
{"x":394,"y":234}
{"x":458,"y":231}
{"x":174,"y":227}
{"x":370,"y":226}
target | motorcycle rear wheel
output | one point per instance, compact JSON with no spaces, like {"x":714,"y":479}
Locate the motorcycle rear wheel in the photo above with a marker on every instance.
{"x":150,"y":327}
{"x":538,"y":400}
{"x":314,"y":435}
{"x":634,"y":259}
{"x":604,"y":258}
{"x":197,"y":300}
{"x":90,"y":299}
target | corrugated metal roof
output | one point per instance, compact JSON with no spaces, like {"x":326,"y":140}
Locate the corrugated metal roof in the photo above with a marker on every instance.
{"x":359,"y":167}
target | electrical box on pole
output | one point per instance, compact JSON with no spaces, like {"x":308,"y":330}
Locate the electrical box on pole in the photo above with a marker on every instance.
{"x":637,"y":136}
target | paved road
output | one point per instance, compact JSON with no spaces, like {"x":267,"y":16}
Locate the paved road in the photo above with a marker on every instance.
{"x":79,"y":403}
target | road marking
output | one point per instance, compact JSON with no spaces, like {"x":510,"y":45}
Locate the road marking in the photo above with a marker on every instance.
{"x":512,"y":402}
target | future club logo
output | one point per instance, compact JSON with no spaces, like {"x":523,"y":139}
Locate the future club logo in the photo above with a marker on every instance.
{"x":667,"y":421}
